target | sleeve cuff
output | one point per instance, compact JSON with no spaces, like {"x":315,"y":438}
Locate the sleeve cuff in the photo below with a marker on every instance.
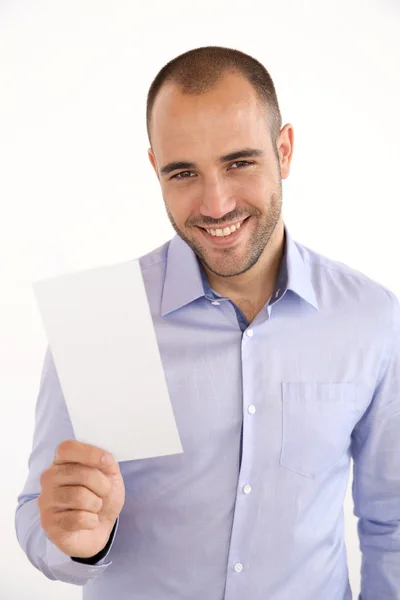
{"x":62,"y":565}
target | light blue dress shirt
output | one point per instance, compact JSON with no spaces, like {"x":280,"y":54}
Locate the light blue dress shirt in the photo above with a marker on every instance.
{"x":269,"y":416}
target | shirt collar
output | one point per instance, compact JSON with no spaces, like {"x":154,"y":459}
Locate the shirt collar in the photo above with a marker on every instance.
{"x":185,"y":279}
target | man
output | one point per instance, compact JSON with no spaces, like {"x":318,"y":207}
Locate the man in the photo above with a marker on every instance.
{"x":281,"y":366}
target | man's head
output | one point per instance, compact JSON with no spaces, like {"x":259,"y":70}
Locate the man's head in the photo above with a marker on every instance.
{"x":219,"y":152}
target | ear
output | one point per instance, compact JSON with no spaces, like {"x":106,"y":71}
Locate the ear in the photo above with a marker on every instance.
{"x":285,"y":149}
{"x":153,"y":161}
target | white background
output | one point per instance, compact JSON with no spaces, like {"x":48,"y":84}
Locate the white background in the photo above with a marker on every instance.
{"x":77,"y":191}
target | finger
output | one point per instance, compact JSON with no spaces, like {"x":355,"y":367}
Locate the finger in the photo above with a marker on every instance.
{"x":72,"y":451}
{"x":75,"y":520}
{"x":76,"y":498}
{"x":76,"y":474}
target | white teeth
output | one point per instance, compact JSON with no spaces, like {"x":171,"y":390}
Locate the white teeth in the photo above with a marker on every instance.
{"x":224,"y":232}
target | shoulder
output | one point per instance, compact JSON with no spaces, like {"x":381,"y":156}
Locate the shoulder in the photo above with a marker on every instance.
{"x":346,"y":285}
{"x":153,"y":268}
{"x":155,"y":258}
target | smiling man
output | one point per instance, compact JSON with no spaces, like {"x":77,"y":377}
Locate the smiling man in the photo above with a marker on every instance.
{"x":282,"y":365}
{"x":220,"y":167}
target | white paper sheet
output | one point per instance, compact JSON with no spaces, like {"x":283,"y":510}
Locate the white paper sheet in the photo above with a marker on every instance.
{"x":102,"y":339}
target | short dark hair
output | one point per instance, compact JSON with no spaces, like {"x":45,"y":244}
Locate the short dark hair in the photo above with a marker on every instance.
{"x":198,"y":70}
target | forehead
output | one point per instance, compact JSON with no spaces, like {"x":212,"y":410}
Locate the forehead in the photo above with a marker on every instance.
{"x":231,"y":113}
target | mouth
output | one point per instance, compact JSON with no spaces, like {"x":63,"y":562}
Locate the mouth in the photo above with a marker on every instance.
{"x":225,"y":236}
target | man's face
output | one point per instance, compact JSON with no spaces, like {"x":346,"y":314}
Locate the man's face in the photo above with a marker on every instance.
{"x":229,"y":174}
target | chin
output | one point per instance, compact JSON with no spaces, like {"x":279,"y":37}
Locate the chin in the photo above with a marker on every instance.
{"x":226,"y":270}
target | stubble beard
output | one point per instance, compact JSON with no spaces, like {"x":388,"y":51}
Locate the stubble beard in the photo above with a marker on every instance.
{"x":230,"y":262}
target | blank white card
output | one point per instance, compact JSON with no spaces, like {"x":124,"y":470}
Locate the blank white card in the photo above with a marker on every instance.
{"x":101,"y":335}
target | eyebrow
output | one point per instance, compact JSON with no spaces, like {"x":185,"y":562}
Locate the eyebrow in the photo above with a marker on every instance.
{"x":180,"y":164}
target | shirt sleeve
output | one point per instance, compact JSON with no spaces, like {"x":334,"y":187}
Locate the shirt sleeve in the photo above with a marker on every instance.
{"x":52,"y":426}
{"x":376,"y":481}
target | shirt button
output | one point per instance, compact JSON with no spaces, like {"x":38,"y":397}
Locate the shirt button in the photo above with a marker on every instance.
{"x":251,"y":409}
{"x":238,"y":567}
{"x":247,"y":489}
{"x":249,"y":332}
{"x":215,"y":303}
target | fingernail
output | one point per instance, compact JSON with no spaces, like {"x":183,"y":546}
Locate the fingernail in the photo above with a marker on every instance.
{"x":107,"y":459}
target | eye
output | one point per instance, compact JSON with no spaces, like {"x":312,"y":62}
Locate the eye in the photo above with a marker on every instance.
{"x":182,"y":175}
{"x":240,"y":164}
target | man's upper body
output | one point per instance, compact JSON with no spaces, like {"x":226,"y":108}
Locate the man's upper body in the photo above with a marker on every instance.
{"x":269,"y":417}
{"x":281,"y":365}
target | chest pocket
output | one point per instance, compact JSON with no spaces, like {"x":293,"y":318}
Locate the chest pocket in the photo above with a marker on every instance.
{"x":318,"y":419}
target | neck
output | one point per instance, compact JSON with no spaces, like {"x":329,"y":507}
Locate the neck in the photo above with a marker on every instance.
{"x":251,"y":290}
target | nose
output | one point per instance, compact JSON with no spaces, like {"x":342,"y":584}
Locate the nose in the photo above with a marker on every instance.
{"x":216,"y":200}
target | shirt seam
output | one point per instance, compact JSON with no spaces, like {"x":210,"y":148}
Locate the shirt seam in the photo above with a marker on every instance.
{"x":390,"y":352}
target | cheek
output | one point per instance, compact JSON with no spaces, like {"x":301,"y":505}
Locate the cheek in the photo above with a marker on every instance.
{"x":181,"y":202}
{"x":267,"y":183}
{"x":253,"y":189}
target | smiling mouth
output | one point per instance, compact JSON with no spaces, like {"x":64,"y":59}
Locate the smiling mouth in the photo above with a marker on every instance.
{"x":224,"y":231}
{"x":227,"y":237}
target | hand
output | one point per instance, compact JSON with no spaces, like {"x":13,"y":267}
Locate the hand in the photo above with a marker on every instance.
{"x":81,"y":498}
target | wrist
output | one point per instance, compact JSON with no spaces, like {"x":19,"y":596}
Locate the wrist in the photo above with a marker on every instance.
{"x":101,"y":554}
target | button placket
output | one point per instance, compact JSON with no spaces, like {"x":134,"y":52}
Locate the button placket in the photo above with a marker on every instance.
{"x":246,"y":497}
